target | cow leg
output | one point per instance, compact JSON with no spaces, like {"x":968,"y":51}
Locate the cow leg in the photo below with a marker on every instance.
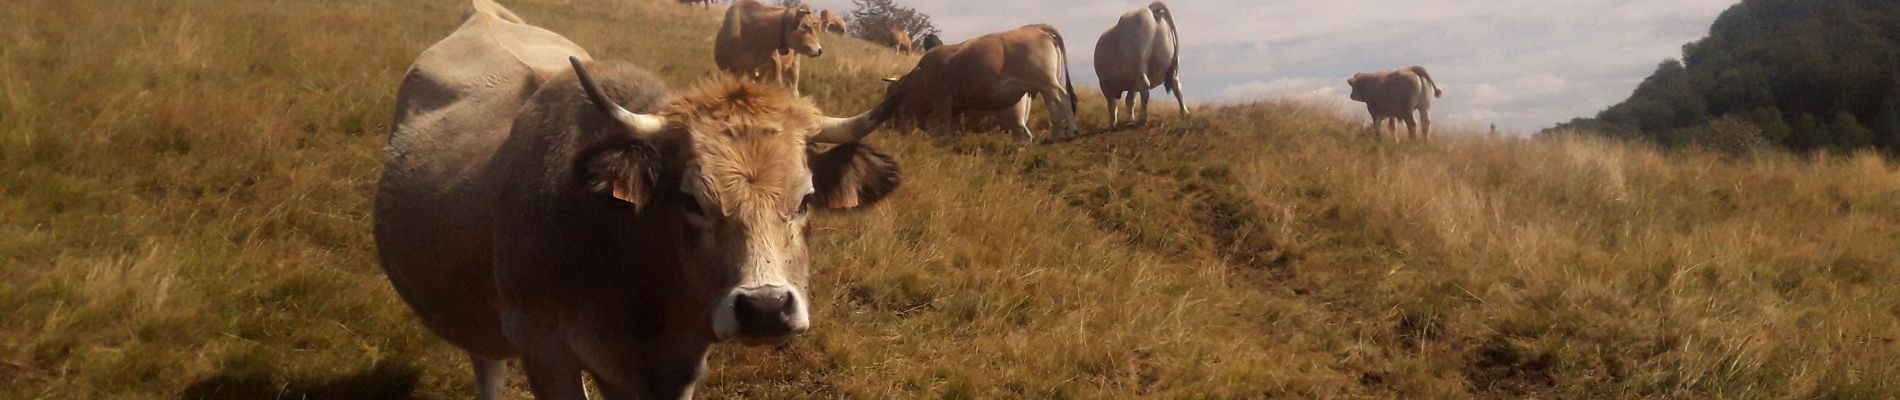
{"x":1018,"y":118}
{"x":1128,"y":104}
{"x":1180,"y":98}
{"x":1425,"y":123}
{"x":1142,"y":119}
{"x":942,"y":122}
{"x":554,"y":373}
{"x":1382,"y":125}
{"x":1411,"y":127}
{"x":1114,"y":118}
{"x":794,"y":78}
{"x":490,"y":377}
{"x":554,"y":377}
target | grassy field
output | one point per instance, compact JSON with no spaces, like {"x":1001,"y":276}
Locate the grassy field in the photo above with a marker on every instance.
{"x":184,"y":212}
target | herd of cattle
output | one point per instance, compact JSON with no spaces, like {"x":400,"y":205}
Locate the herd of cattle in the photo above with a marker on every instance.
{"x":582,"y":216}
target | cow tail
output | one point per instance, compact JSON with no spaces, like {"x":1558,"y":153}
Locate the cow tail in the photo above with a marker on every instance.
{"x":1063,"y":51}
{"x":1174,"y":60}
{"x":1436,"y":92}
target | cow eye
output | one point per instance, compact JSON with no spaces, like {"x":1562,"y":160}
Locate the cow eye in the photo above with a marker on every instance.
{"x":804,"y":206}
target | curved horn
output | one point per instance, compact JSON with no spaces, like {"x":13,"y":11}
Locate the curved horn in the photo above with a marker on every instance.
{"x":851,"y":130}
{"x":641,"y":125}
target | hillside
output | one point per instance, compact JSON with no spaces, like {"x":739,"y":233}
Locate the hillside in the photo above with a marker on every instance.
{"x":1801,"y":74}
{"x":184,"y":212}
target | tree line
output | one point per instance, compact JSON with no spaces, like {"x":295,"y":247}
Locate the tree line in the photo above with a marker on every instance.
{"x":1804,"y":75}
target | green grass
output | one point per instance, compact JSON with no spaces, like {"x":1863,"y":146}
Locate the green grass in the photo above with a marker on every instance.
{"x":184,"y":212}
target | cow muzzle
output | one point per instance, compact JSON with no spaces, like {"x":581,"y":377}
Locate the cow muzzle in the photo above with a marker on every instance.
{"x":761,"y":315}
{"x":816,"y":51}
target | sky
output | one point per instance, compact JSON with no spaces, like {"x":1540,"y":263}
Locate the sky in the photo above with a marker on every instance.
{"x":1522,"y":64}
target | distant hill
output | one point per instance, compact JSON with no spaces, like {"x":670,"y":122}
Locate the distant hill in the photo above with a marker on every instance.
{"x":1802,"y":74}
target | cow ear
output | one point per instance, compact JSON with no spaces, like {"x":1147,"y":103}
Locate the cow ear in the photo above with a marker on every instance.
{"x":852,"y":175}
{"x":628,"y":172}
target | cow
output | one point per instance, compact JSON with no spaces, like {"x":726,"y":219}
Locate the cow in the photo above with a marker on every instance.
{"x":931,"y":41}
{"x":1142,"y":51}
{"x":1392,"y":96}
{"x":901,"y":41}
{"x":834,"y":23}
{"x":576,"y":214}
{"x":994,"y":72}
{"x":762,"y":42}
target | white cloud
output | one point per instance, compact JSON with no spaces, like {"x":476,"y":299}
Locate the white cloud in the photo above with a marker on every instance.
{"x":1524,"y":64}
{"x":1296,"y":88}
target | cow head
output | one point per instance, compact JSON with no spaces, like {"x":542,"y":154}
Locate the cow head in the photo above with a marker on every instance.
{"x":1356,"y":82}
{"x":734,"y":166}
{"x":799,"y":33}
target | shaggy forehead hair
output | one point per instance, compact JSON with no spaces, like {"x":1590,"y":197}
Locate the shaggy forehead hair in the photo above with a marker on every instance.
{"x":748,"y":140}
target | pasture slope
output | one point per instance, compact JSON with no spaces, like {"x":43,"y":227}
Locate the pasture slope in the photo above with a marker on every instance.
{"x":184,"y":212}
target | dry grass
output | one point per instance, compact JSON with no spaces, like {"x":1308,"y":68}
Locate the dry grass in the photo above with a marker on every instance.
{"x":184,"y":193}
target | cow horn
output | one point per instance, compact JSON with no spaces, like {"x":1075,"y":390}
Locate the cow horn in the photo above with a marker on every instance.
{"x":850,"y":130}
{"x":642,"y":125}
{"x":846,"y":130}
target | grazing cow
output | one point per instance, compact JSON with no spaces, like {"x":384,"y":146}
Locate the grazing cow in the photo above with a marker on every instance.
{"x":1141,"y":52}
{"x":762,"y":42}
{"x":993,"y":72}
{"x":603,"y":226}
{"x":901,"y":41}
{"x":834,"y":23}
{"x":931,"y":41}
{"x":1391,"y":96}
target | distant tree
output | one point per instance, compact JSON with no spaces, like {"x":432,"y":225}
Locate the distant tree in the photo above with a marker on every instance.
{"x":1810,"y":74}
{"x":791,"y":3}
{"x":874,"y":20}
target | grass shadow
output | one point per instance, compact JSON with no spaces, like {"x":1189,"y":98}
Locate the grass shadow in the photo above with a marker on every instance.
{"x":385,"y":380}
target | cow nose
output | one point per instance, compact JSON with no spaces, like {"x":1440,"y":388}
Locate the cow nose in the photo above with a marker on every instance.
{"x":770,"y":311}
{"x":817,"y":51}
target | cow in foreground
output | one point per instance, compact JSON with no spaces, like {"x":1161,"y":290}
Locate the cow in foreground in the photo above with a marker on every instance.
{"x":576,"y":215}
{"x":995,"y":72}
{"x":762,"y":42}
{"x":1142,"y":51}
{"x":1392,"y":96}
{"x":834,"y":23}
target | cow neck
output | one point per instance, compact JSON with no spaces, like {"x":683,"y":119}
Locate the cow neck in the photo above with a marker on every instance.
{"x":784,"y":31}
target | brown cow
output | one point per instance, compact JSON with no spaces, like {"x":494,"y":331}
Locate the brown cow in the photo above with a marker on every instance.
{"x":901,"y":41}
{"x":992,"y":72}
{"x":525,"y":211}
{"x":762,"y":42}
{"x":1392,"y":96}
{"x":834,"y":23}
{"x":1141,"y":52}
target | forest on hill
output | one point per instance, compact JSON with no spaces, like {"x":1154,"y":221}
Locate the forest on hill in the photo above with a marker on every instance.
{"x":1804,"y":75}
